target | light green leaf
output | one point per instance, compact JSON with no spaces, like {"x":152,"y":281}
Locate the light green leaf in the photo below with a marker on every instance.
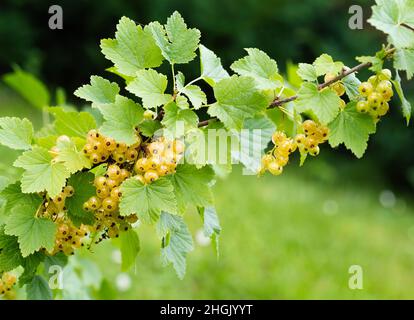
{"x":182,"y":102}
{"x":177,"y":242}
{"x":132,"y":49}
{"x":237,"y":99}
{"x":29,"y":87}
{"x":284,"y":122}
{"x":324,"y":104}
{"x":149,"y":127}
{"x":130,"y":247}
{"x":307,"y":72}
{"x":177,"y":121}
{"x":404,"y":60}
{"x":72,"y":123}
{"x":150,"y":86}
{"x":211,"y":69}
{"x":195,"y":94}
{"x":211,"y":225}
{"x":16,"y":133}
{"x":258,"y":65}
{"x":33,"y":233}
{"x":325,"y":64}
{"x":351,"y":83}
{"x":39,"y":289}
{"x":391,"y":16}
{"x":147,"y":201}
{"x":405,"y":104}
{"x":292,"y":75}
{"x":82,"y":182}
{"x":121,"y":119}
{"x":69,"y":155}
{"x":376,"y":62}
{"x":176,"y":41}
{"x":41,"y":173}
{"x":351,"y":128}
{"x":100,"y":91}
{"x":191,"y":186}
{"x":14,"y":197}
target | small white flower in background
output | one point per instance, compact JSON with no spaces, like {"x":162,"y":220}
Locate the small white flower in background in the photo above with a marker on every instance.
{"x":330,"y":207}
{"x":387,"y":199}
{"x":201,"y":239}
{"x":123,"y":282}
{"x":116,"y":256}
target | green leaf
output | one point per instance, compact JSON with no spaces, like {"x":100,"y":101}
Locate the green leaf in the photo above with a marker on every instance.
{"x":82,"y":182}
{"x":211,"y":69}
{"x":391,"y":16}
{"x":149,"y":127}
{"x":29,"y":87}
{"x":292,"y":74}
{"x":283,"y":121}
{"x":147,"y":201}
{"x":376,"y":61}
{"x":404,"y":60}
{"x":177,"y":242}
{"x":324,"y":104}
{"x":38,"y":289}
{"x":121,"y":118}
{"x":41,"y":173}
{"x":72,"y":124}
{"x":405,"y":104}
{"x":177,"y":121}
{"x":176,"y":41}
{"x":191,"y":186}
{"x":33,"y":233}
{"x":150,"y":86}
{"x":211,"y":225}
{"x":99,"y":92}
{"x":325,"y":64}
{"x":351,"y":83}
{"x":16,"y":133}
{"x":30,"y":265}
{"x":195,"y":94}
{"x":130,"y":247}
{"x":14,"y":197}
{"x":132,"y":49}
{"x":253,"y":140}
{"x":258,"y":65}
{"x":237,"y":99}
{"x":72,"y":159}
{"x":351,"y":128}
{"x":307,"y":72}
{"x":10,"y":256}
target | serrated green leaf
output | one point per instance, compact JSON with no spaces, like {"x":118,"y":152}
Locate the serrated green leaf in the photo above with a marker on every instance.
{"x":258,"y":65}
{"x":147,"y":201}
{"x":211,"y":225}
{"x":39,"y":289}
{"x":150,"y":86}
{"x":82,"y":182}
{"x":13,"y":197}
{"x":375,"y":61}
{"x":16,"y":133}
{"x":72,"y":159}
{"x":195,"y":94}
{"x":132,"y":49}
{"x":324,"y":64}
{"x":404,"y":60}
{"x":211,"y":69}
{"x":391,"y":16}
{"x":191,"y":186}
{"x":285,"y":122}
{"x":149,"y":127}
{"x":351,"y":83}
{"x":182,"y":102}
{"x":121,"y":118}
{"x":351,"y":128}
{"x":405,"y":104}
{"x":307,"y":72}
{"x":176,"y":41}
{"x":41,"y":173}
{"x":33,"y":233}
{"x":99,"y":92}
{"x":10,"y":256}
{"x":71,"y":123}
{"x":237,"y":99}
{"x":29,"y":87}
{"x":179,"y":244}
{"x":177,"y":121}
{"x":324,"y":104}
{"x":30,"y":265}
{"x":130,"y":247}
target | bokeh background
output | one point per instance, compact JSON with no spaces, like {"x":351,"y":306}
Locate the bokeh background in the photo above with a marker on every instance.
{"x":293,"y":236}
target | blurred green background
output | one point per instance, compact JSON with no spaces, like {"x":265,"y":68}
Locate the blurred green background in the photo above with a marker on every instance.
{"x":293,"y":236}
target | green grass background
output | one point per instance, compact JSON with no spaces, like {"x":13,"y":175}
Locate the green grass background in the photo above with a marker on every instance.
{"x":288,"y":237}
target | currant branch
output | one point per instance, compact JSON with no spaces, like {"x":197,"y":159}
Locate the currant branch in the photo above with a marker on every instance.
{"x":345,"y":72}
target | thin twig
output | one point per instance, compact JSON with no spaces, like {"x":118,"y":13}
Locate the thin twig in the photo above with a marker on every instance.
{"x":407,"y":26}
